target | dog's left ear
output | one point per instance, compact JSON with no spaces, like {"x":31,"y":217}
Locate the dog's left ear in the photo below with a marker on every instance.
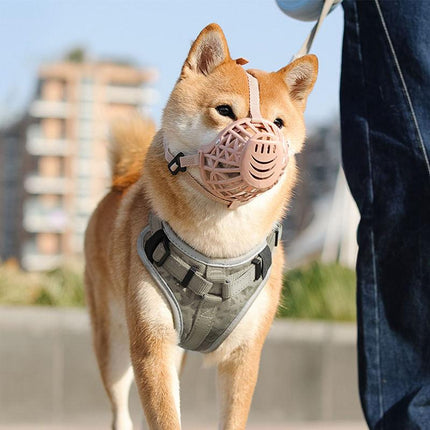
{"x":300,"y":77}
{"x":207,"y":52}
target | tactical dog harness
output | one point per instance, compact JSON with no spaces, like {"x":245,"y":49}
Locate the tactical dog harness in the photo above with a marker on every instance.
{"x":208,"y":297}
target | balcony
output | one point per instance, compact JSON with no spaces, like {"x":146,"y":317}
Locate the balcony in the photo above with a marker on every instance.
{"x":42,"y":146}
{"x":52,"y":221}
{"x":130,"y":95}
{"x":49,"y":109}
{"x":80,"y":223}
{"x":39,"y":262}
{"x":36,"y":184}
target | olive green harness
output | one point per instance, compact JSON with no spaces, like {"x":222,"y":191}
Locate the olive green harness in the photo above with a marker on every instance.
{"x":208,"y":297}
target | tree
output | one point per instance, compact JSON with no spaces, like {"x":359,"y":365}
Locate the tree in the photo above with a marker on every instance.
{"x":76,"y":55}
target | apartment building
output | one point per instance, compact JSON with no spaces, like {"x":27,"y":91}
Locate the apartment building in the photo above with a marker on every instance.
{"x":12,"y":157}
{"x":66,"y":152}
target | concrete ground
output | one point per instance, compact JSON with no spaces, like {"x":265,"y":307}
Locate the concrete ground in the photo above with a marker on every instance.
{"x":286,"y":426}
{"x":49,"y":378}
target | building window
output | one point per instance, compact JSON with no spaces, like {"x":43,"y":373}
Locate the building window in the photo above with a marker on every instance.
{"x":87,"y":89}
{"x":85,"y":130}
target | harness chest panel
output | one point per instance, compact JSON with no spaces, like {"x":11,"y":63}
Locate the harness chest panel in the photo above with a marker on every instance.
{"x":207,"y":297}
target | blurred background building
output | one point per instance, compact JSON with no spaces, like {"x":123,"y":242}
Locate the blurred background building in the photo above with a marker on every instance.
{"x":323,"y":217}
{"x":54,"y":169}
{"x":54,"y":165}
{"x":12,"y":155}
{"x":53,"y":160}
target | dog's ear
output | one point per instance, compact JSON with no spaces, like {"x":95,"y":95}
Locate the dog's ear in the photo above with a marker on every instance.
{"x":300,"y":77}
{"x":207,"y":52}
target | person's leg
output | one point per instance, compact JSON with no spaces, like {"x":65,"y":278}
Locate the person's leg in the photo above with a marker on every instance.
{"x":385,"y":115}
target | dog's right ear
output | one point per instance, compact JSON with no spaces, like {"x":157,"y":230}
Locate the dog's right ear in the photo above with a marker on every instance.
{"x":207,"y":52}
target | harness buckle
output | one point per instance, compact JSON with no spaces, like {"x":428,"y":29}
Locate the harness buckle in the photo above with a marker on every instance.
{"x":187,"y":278}
{"x":258,"y":263}
{"x":174,"y":165}
{"x":276,"y":237}
{"x":262,"y":263}
{"x":152,"y":244}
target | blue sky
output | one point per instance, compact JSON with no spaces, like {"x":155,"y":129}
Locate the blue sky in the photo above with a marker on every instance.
{"x":158,"y":33}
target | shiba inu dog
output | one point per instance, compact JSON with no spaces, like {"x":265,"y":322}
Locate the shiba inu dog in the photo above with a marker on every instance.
{"x":199,"y":221}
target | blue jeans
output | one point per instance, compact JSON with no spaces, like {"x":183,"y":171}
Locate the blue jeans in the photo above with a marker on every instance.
{"x":385,"y":119}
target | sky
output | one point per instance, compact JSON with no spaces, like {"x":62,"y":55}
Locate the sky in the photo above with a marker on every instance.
{"x":158,"y":33}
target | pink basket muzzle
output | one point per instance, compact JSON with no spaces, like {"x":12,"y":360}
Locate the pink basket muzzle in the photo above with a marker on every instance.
{"x":247,"y":158}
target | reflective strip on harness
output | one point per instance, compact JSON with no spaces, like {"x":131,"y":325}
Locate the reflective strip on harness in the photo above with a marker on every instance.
{"x":207,"y":297}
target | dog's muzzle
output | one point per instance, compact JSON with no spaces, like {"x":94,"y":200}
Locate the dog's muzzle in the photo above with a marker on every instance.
{"x":246,"y":159}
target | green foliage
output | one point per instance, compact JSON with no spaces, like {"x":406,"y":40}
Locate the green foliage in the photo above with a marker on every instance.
{"x":319,"y":291}
{"x":76,"y":55}
{"x":59,"y":287}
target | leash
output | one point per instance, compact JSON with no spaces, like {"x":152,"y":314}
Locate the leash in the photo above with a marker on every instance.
{"x":309,"y":40}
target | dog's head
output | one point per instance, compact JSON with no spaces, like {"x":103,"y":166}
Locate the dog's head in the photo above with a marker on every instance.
{"x":212,"y":92}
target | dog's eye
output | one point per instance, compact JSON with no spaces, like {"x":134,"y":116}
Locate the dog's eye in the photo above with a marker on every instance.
{"x":278,"y":122}
{"x":226,"y":110}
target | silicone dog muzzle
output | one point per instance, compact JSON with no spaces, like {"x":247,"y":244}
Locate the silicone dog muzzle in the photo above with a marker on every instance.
{"x":246,"y":159}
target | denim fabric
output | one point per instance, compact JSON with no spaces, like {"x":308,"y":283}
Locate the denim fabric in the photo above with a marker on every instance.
{"x":385,"y":119}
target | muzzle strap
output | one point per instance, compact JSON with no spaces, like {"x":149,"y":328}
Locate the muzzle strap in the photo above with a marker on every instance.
{"x":254,"y":97}
{"x":179,"y":162}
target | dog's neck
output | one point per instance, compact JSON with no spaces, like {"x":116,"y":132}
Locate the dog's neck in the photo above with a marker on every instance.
{"x":208,"y":226}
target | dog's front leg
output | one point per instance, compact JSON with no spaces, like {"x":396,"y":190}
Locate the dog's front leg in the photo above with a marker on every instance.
{"x":237,"y":377}
{"x":154,"y":356}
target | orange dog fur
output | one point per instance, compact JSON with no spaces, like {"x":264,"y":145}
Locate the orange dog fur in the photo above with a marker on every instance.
{"x":133,"y":330}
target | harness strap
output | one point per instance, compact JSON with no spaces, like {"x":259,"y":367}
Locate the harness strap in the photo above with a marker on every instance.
{"x":180,"y":162}
{"x":229,"y":285}
{"x":179,"y":269}
{"x":202,"y":323}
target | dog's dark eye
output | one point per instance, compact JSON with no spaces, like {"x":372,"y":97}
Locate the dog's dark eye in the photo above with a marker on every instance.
{"x":226,"y":110}
{"x":278,"y":122}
